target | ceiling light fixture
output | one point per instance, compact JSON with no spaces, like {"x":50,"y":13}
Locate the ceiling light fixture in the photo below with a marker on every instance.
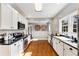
{"x":38,"y":7}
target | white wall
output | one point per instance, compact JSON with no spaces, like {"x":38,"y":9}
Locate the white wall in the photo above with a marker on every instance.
{"x":39,"y":34}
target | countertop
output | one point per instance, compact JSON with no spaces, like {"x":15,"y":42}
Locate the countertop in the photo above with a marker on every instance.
{"x":67,"y":41}
{"x":11,"y":42}
{"x":15,"y":40}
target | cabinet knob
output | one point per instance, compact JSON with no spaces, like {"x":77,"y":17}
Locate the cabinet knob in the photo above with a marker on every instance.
{"x":70,"y":48}
{"x":14,"y":44}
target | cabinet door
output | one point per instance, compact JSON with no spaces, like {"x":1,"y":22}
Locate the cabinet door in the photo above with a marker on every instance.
{"x":20,"y":46}
{"x":26,"y":24}
{"x":19,"y":18}
{"x":14,"y":19}
{"x":69,"y":51}
{"x":14,"y":49}
{"x":6,"y":16}
{"x":60,"y":48}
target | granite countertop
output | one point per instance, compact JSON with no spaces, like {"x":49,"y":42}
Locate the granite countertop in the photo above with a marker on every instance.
{"x":11,"y":42}
{"x":15,"y":40}
{"x":67,"y":41}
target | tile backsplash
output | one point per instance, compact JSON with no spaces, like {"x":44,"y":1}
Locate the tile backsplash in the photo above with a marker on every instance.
{"x":9,"y":31}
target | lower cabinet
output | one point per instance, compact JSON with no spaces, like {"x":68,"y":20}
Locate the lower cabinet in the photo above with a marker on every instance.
{"x":21,"y":46}
{"x":55,"y":44}
{"x":17,"y":48}
{"x":69,"y":51}
{"x":14,"y":49}
{"x":63,"y":49}
{"x":58,"y":46}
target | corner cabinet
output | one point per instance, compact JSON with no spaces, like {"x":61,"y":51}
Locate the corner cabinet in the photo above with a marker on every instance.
{"x":8,"y":17}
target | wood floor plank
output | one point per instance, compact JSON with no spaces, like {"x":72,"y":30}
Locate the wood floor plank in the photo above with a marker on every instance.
{"x":40,"y":48}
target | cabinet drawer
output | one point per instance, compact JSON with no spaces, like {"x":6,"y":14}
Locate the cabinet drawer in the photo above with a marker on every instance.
{"x":75,"y":51}
{"x":70,"y":49}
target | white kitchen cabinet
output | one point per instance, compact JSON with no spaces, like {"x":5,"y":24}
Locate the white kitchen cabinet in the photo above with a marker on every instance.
{"x":6,"y":16}
{"x":63,"y":49}
{"x":72,"y":30}
{"x":20,"y":18}
{"x":9,"y":17}
{"x":26,"y":24}
{"x":4,"y":50}
{"x":59,"y":48}
{"x":20,"y":46}
{"x":9,"y":50}
{"x":55,"y":44}
{"x":70,"y":51}
{"x":14,"y":19}
{"x":17,"y":48}
{"x":14,"y":49}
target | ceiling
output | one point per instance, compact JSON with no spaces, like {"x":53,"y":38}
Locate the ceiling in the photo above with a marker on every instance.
{"x":48,"y":9}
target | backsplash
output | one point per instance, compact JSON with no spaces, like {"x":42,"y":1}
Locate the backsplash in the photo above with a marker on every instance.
{"x":6,"y":31}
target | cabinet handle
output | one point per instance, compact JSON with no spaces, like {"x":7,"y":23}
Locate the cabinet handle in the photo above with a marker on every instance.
{"x":59,"y":42}
{"x":14,"y":44}
{"x":70,"y":48}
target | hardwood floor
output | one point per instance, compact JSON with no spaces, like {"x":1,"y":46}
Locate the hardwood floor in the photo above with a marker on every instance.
{"x":40,"y":48}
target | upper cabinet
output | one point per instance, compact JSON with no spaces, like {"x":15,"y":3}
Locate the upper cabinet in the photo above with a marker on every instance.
{"x":5,"y":16}
{"x":68,"y":24}
{"x":9,"y":17}
{"x":14,"y":19}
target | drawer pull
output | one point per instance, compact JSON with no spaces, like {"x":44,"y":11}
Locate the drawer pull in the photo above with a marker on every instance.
{"x":14,"y":44}
{"x":70,"y":48}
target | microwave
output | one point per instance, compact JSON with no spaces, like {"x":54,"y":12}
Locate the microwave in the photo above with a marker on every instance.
{"x":21,"y":26}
